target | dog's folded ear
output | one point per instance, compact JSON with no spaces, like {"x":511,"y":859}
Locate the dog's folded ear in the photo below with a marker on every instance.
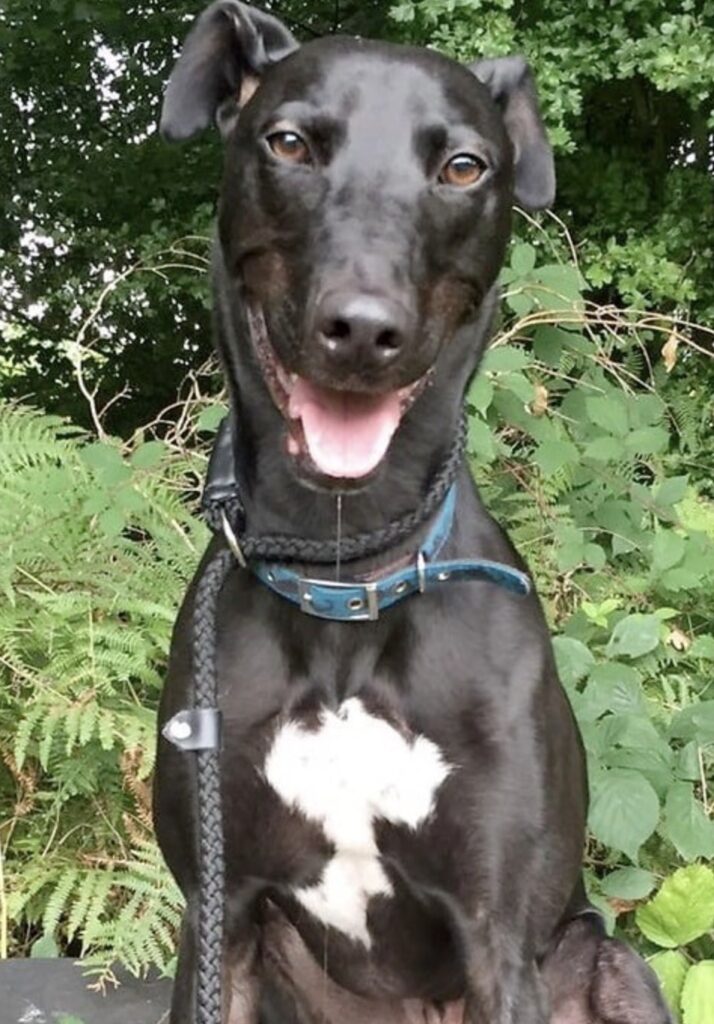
{"x":510,"y":82}
{"x":226,"y":51}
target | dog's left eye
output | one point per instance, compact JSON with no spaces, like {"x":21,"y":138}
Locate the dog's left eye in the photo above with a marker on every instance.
{"x":462,"y":170}
{"x":289,"y":146}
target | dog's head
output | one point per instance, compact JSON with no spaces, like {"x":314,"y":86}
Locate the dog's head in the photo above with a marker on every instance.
{"x":364,"y":213}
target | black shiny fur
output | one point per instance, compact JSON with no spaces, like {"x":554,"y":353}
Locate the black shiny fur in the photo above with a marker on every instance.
{"x":488,"y":892}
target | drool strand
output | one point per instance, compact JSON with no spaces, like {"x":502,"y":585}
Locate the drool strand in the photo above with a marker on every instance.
{"x":338,"y":537}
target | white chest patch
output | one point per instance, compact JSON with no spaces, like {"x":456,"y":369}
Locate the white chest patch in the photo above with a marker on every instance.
{"x":353,"y":768}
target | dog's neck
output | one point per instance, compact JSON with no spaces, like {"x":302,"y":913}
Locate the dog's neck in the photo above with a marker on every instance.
{"x":275,"y":500}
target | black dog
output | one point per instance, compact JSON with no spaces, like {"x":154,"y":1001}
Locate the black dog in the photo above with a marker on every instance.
{"x":405,"y":796}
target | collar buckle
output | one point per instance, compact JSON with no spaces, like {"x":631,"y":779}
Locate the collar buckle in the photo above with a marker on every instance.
{"x":318,"y":597}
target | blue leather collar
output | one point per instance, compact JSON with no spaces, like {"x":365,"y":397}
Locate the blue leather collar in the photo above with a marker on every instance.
{"x":357,"y":601}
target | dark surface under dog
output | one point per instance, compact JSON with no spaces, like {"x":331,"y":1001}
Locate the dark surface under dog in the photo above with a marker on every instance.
{"x":48,"y":991}
{"x":405,"y":798}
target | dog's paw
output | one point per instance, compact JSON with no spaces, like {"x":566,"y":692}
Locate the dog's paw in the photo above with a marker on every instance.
{"x":592,"y":979}
{"x":624,"y":989}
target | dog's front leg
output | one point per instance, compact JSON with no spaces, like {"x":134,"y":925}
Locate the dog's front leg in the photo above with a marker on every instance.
{"x":240,"y":975}
{"x":518,"y":999}
{"x":241,"y":983}
{"x":503,"y":985}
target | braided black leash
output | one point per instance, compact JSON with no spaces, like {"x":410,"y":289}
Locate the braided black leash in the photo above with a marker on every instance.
{"x":198,"y":729}
{"x":283,"y":547}
{"x":210,"y":804}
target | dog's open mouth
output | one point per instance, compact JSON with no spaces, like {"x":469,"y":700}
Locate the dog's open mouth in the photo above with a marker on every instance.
{"x":340,"y":434}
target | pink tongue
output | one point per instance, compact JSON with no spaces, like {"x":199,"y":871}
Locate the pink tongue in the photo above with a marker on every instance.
{"x":347,"y":434}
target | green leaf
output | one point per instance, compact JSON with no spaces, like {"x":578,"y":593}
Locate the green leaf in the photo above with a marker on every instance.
{"x":594,"y":556}
{"x":519,"y":384}
{"x":608,"y":412}
{"x":655,"y":763}
{"x":682,"y":910}
{"x":646,"y":409}
{"x":480,"y":394}
{"x":670,"y":966}
{"x":480,"y":440}
{"x":688,"y":762}
{"x":681,"y":578}
{"x":129,"y":500}
{"x":628,"y":884}
{"x":634,"y":731}
{"x":694,"y":723}
{"x":403,"y":13}
{"x":686,"y":823}
{"x":612,"y":687}
{"x":571,"y":547}
{"x":624,"y":811}
{"x":211,"y":418}
{"x":521,"y":303}
{"x":634,"y":636}
{"x":504,"y":359}
{"x":552,"y":455}
{"x":112,"y":521}
{"x":106,"y":460}
{"x":44,"y":947}
{"x":697,"y":998}
{"x":671,"y":490}
{"x":148,"y":455}
{"x":605,"y":908}
{"x":523,"y":259}
{"x":647,"y":441}
{"x":548,"y":344}
{"x":703,"y":647}
{"x":605,"y":449}
{"x":617,"y":687}
{"x":573,"y":659}
{"x":667,"y":550}
{"x":558,"y":287}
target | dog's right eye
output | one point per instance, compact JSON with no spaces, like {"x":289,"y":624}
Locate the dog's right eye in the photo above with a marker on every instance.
{"x":462,"y":170}
{"x":289,"y":146}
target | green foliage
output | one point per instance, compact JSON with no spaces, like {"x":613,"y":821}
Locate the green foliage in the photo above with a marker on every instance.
{"x":103,"y":232}
{"x":683,"y":909}
{"x":575,"y":448}
{"x":626,"y":89}
{"x":698,"y":993}
{"x":98,"y":545}
{"x":681,"y":913}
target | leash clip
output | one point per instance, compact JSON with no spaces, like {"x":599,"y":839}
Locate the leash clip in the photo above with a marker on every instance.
{"x":232,"y":540}
{"x":194,"y":729}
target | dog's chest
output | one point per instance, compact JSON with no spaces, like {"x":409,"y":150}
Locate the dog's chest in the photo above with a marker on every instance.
{"x":345,"y":772}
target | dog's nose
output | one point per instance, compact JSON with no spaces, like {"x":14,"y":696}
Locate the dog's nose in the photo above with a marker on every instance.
{"x":359,"y":330}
